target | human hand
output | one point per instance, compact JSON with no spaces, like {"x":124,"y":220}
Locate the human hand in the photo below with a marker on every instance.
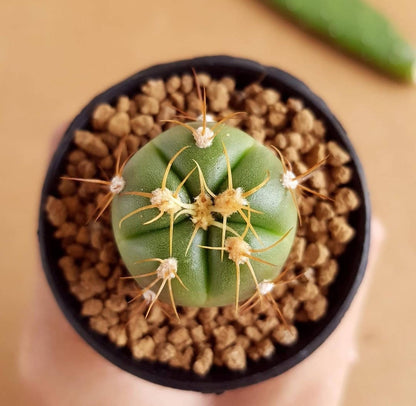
{"x":58,"y":368}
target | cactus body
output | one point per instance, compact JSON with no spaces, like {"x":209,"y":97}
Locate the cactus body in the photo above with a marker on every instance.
{"x":209,"y":281}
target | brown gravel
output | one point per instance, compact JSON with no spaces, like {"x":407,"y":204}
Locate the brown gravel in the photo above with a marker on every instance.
{"x":210,"y":336}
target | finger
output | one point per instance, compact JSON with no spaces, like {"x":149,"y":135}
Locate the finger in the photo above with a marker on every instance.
{"x":57,"y":135}
{"x":318,"y":380}
{"x":58,"y":368}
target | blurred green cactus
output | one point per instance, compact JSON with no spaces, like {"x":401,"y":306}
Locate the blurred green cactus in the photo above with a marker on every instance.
{"x":358,"y":28}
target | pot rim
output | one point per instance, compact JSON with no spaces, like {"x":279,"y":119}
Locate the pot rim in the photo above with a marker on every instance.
{"x":311,"y":335}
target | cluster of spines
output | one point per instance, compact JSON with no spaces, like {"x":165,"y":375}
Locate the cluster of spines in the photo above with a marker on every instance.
{"x":203,"y":214}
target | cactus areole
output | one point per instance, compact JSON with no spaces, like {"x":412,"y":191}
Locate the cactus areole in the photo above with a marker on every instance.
{"x":203,"y":218}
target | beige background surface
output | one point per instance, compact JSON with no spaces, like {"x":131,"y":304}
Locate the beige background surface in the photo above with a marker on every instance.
{"x":55,"y":55}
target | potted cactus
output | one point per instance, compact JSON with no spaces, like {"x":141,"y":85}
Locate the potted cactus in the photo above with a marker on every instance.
{"x":205,"y":216}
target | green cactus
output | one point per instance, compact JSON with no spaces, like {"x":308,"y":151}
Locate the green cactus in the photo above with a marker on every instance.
{"x":204,"y":218}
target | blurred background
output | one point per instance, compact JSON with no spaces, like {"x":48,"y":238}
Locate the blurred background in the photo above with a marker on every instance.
{"x":56,"y":55}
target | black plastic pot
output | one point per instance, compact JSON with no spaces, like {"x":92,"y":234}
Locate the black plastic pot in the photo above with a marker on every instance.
{"x":311,"y":335}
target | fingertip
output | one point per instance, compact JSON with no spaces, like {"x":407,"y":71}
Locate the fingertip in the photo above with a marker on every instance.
{"x":378,"y":235}
{"x":378,"y":231}
{"x":57,"y":135}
